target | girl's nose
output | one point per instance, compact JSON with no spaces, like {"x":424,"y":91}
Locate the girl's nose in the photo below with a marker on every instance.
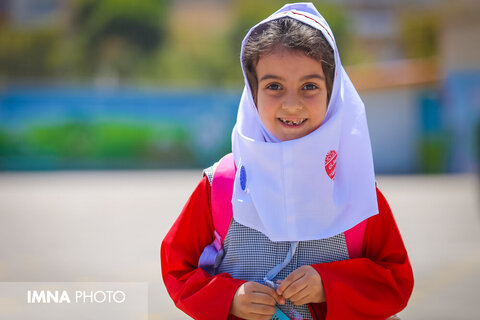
{"x":291,"y":103}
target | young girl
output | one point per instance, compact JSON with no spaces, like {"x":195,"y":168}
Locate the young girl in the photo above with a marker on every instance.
{"x":311,"y":237}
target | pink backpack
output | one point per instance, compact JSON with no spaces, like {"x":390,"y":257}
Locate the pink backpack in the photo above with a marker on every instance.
{"x":221,"y":196}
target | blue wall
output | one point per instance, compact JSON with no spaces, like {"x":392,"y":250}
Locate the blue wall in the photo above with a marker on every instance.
{"x":32,"y":127}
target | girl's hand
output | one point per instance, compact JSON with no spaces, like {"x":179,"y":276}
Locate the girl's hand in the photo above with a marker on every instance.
{"x":254,"y":301}
{"x":302,"y":286}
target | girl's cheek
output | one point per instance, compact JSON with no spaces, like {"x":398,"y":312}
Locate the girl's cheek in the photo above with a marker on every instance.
{"x":266,"y":103}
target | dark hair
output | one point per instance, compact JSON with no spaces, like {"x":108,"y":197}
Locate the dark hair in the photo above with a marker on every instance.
{"x":290,"y":34}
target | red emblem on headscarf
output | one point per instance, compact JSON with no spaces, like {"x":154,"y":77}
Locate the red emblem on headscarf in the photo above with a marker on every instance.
{"x":331,"y":163}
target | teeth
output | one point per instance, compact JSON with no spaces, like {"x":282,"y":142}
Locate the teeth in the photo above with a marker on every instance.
{"x":292,"y":123}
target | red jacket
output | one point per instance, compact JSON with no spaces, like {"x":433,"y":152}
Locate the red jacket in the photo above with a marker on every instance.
{"x":375,"y":286}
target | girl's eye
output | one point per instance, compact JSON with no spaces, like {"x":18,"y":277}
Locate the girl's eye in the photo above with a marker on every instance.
{"x":274,"y":86}
{"x":309,"y":86}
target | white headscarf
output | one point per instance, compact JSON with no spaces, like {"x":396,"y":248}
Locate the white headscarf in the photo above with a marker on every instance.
{"x":313,"y":187}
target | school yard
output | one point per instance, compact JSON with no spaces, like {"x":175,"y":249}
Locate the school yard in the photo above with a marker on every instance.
{"x":107,"y":227}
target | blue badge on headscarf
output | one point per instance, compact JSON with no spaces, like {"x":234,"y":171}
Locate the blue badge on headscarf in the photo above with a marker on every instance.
{"x":243,"y":178}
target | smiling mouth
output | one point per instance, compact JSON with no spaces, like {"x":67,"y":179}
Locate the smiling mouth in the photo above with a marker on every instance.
{"x":292,"y":123}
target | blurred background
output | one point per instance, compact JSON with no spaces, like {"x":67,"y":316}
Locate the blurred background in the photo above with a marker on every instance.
{"x":88,"y":84}
{"x":97,"y":95}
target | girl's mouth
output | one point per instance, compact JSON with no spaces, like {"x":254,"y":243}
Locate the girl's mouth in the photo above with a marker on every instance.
{"x":292,"y":123}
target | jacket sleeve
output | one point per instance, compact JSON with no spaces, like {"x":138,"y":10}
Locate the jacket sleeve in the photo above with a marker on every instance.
{"x":376,"y":286}
{"x":193,"y":290}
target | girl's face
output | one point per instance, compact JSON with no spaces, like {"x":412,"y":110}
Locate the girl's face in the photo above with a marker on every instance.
{"x":292,"y":93}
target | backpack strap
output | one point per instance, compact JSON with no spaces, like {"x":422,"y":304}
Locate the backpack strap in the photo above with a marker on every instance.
{"x":221,"y":195}
{"x":221,"y":177}
{"x":354,"y":239}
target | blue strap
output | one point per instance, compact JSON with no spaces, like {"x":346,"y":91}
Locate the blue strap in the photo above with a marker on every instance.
{"x":272,"y":273}
{"x":279,"y":315}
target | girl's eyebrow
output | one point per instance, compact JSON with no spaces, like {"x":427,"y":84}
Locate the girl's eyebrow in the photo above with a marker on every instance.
{"x":271,"y":76}
{"x":313,"y":76}
{"x":308,"y":76}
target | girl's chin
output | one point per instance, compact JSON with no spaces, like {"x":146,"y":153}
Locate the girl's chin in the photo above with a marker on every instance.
{"x":286,"y":136}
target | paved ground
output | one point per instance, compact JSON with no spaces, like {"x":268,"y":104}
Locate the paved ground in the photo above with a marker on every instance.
{"x":108,"y":226}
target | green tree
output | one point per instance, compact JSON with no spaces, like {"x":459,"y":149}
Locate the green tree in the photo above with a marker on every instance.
{"x":119,"y":35}
{"x":27,"y":53}
{"x":419,"y":33}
